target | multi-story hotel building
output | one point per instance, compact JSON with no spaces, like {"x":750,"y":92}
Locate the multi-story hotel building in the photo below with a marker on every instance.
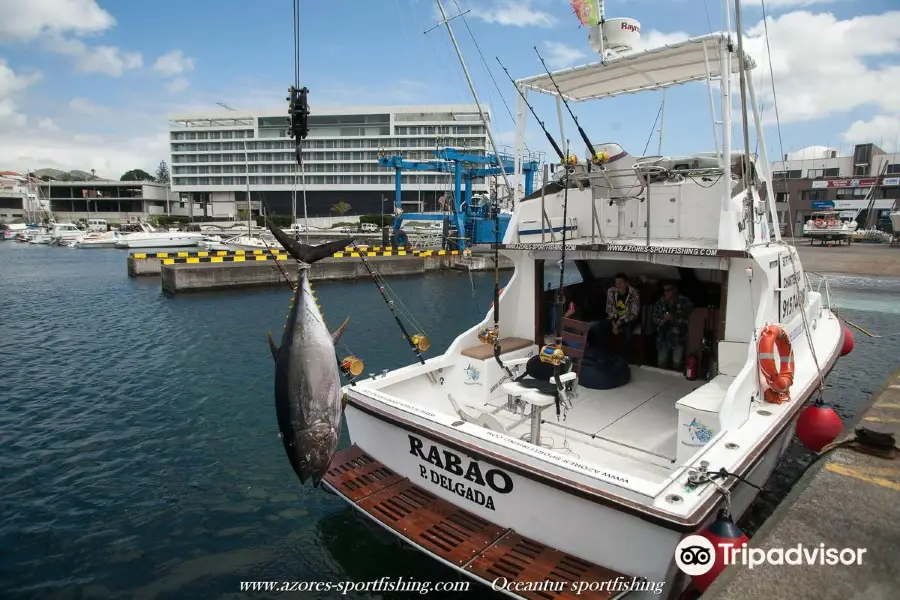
{"x":819,"y":179}
{"x":212,"y":156}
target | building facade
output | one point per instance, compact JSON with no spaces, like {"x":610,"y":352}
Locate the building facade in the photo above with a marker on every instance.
{"x":216,"y":157}
{"x":115,"y":201}
{"x":819,"y":179}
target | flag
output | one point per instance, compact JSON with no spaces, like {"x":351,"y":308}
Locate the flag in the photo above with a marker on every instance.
{"x":587,"y":12}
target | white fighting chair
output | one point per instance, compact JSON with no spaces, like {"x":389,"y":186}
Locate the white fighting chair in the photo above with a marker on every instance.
{"x":619,"y":177}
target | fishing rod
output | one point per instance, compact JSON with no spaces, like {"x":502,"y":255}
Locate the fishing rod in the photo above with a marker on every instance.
{"x":390,"y":305}
{"x":494,"y":336}
{"x":554,"y":354}
{"x":596,"y":157}
{"x":562,"y":156}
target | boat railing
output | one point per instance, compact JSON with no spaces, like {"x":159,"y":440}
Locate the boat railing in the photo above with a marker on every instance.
{"x":823,"y":282}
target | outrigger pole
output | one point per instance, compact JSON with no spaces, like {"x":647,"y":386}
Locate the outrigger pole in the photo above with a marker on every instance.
{"x":596,"y":157}
{"x":559,"y":152}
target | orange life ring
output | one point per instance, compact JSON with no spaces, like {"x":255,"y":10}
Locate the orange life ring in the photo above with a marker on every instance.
{"x":820,"y":223}
{"x":779,"y":375}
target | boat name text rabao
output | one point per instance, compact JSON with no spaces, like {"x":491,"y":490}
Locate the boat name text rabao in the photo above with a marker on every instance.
{"x":469,"y":470}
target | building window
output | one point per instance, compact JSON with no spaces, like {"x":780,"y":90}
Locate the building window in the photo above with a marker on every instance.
{"x":893,"y":169}
{"x":814,"y":195}
{"x":860,"y":170}
{"x":781,"y":197}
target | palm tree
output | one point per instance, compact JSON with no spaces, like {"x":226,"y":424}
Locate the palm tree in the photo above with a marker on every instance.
{"x":340,"y":208}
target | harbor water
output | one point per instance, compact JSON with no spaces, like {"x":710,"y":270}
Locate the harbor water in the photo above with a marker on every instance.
{"x":141,"y":456}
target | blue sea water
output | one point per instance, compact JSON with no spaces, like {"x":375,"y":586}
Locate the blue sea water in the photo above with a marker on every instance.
{"x":140,"y":455}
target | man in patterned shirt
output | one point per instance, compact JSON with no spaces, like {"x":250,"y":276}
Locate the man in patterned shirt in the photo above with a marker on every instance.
{"x":623,"y":306}
{"x":670,"y":315}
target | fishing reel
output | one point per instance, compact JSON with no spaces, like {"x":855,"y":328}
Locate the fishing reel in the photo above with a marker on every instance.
{"x":488,"y":335}
{"x":570,"y":163}
{"x":552,"y":354}
{"x":421,"y":342}
{"x":352,"y":366}
{"x":600,"y":158}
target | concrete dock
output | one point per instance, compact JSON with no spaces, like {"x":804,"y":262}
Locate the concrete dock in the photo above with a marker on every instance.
{"x":264,"y":272}
{"x":866,"y":259}
{"x":848,"y":500}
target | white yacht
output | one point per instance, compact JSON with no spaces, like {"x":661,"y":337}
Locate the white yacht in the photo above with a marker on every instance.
{"x":63,"y":233}
{"x":151,"y":237}
{"x":603,"y":477}
{"x":96,"y":240}
{"x":831,"y":226}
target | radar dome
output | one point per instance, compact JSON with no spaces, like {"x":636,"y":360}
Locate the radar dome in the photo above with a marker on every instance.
{"x":615,"y":36}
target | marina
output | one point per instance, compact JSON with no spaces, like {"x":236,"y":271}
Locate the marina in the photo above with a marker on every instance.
{"x":358,"y":353}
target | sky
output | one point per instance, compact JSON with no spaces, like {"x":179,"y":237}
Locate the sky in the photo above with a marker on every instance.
{"x":91,"y":84}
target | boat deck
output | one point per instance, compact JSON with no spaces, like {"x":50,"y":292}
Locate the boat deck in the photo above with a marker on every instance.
{"x":632,"y":428}
{"x":482,"y":550}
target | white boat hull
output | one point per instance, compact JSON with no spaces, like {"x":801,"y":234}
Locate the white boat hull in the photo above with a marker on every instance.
{"x":160,"y":240}
{"x":569,"y":522}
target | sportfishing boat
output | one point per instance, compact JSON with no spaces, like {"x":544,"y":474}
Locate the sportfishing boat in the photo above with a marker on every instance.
{"x":831,"y":225}
{"x":150,"y":237}
{"x":96,"y":240}
{"x":63,"y":233}
{"x":516,"y":459}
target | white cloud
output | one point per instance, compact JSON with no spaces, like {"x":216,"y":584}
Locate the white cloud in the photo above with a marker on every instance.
{"x":177,"y":85}
{"x":66,"y":150}
{"x":824,"y":66}
{"x":12,"y":84}
{"x":55,"y":22}
{"x":25,"y":20}
{"x":108,"y":60}
{"x":173,"y":63}
{"x":518,"y":13}
{"x":882,"y":130}
{"x":86,"y":107}
{"x":47,"y":124}
{"x":787,"y":4}
{"x":560,"y":56}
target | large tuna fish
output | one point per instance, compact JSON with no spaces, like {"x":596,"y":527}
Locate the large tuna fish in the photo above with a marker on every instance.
{"x":307,"y":377}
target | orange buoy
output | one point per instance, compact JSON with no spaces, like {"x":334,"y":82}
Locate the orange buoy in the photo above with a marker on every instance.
{"x":848,"y":344}
{"x":818,"y":426}
{"x":778,"y":374}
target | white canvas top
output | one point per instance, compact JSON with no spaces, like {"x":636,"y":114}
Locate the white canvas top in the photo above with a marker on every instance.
{"x":657,"y":68}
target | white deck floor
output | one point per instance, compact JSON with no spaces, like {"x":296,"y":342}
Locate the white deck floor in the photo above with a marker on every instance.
{"x":632,"y":428}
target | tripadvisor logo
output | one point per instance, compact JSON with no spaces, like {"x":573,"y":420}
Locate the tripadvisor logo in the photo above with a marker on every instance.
{"x":696,"y":555}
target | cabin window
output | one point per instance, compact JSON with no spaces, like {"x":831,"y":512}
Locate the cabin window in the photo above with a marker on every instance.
{"x":551,"y":274}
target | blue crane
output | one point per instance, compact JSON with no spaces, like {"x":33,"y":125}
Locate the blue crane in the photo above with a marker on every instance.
{"x":472,"y":220}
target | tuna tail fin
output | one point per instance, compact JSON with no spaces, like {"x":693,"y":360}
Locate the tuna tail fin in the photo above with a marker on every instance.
{"x":272,"y":346}
{"x":302,"y":252}
{"x":336,"y":336}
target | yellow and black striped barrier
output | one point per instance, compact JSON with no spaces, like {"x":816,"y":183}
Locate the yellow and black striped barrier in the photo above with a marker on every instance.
{"x":170,"y":258}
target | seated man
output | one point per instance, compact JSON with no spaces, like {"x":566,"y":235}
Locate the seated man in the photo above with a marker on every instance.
{"x":670,"y":315}
{"x":623,"y":306}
